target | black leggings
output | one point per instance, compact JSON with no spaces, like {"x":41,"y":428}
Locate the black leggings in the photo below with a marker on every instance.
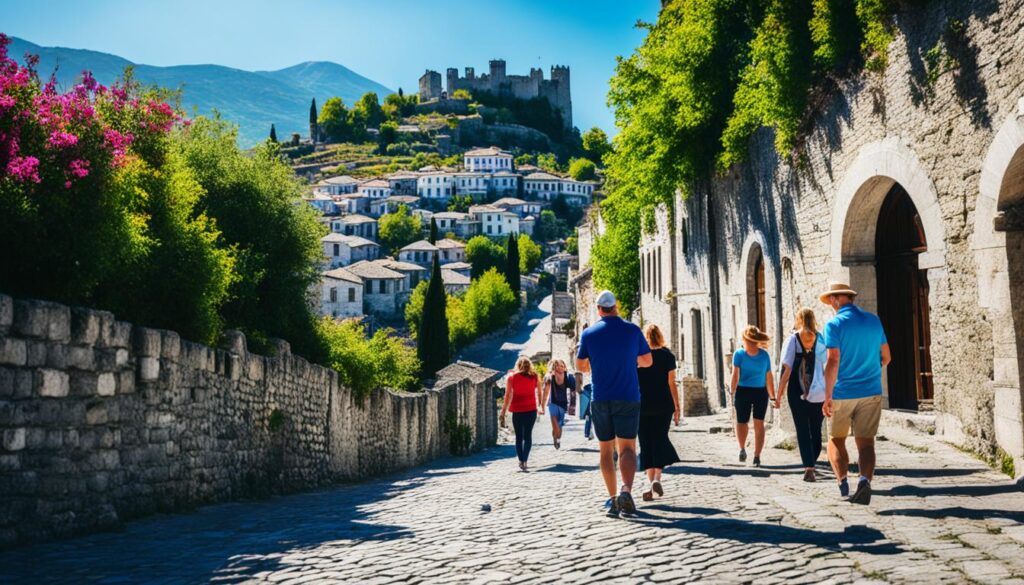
{"x":807,"y":417}
{"x":522,"y":422}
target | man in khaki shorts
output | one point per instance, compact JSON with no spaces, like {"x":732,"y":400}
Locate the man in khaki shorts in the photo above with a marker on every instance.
{"x":857,"y":352}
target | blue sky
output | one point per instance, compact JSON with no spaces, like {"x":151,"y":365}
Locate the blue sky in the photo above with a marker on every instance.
{"x":390,"y":41}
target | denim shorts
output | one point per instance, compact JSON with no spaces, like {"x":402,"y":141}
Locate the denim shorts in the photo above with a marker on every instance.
{"x":557,"y":412}
{"x":615,"y":418}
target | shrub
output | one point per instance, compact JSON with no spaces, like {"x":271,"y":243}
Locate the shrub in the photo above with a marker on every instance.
{"x":484,"y":254}
{"x":582,"y":169}
{"x":489,"y":302}
{"x":365,"y":364}
{"x":399,"y":229}
{"x":529,"y":254}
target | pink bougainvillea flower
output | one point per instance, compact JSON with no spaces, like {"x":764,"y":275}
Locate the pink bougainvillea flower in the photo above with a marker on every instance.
{"x":24,"y":168}
{"x":60,"y":139}
{"x":79,"y":168}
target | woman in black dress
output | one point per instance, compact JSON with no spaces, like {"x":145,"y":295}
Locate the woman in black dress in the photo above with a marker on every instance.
{"x":659,"y":407}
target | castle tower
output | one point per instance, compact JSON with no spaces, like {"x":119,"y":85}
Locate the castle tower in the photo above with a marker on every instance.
{"x":430,"y":86}
{"x":470,"y":74}
{"x":497,"y":77}
{"x":453,"y":80}
{"x":563,"y":95}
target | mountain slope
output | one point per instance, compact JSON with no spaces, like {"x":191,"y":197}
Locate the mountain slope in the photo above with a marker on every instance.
{"x":251,"y":99}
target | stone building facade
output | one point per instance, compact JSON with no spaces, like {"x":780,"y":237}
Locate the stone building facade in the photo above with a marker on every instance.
{"x":909,"y":189}
{"x":430,"y":86}
{"x":497,"y":81}
{"x":102,"y":421}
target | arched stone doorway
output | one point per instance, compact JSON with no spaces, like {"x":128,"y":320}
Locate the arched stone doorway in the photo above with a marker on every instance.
{"x":998,"y":244}
{"x":887,"y":238}
{"x":756,"y":292}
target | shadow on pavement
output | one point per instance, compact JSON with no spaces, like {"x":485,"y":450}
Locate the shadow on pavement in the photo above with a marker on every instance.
{"x":696,"y":511}
{"x":858,"y":538}
{"x":716,"y":471}
{"x":927,"y":473}
{"x":950,"y":490}
{"x":568,"y":468}
{"x":957,"y":512}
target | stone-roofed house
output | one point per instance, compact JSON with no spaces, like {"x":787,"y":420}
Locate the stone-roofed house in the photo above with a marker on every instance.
{"x":376,"y":188}
{"x":547,"y":187}
{"x":461,"y":267}
{"x":355,"y":225}
{"x":403,"y":182}
{"x":435,"y":185}
{"x":341,"y":185}
{"x":384,"y":290}
{"x":323,"y":203}
{"x":379,"y":207}
{"x":341,"y":294}
{"x":414,"y":273}
{"x":454,"y":282}
{"x":463,"y":225}
{"x":487,"y":160}
{"x":352,"y":203}
{"x":450,"y":251}
{"x":421,"y":252}
{"x":505,"y":184}
{"x":518,"y":206}
{"x":342,"y":250}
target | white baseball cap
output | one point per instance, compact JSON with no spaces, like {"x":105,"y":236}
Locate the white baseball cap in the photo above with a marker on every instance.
{"x":606,"y":299}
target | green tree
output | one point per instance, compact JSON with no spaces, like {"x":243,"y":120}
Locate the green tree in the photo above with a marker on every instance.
{"x":433,"y":231}
{"x":526,"y":159}
{"x":364,"y":365}
{"x":388,"y":135}
{"x":460,"y":203}
{"x":253,"y":198}
{"x":512,"y":263}
{"x":398,"y":229}
{"x":334,"y":120}
{"x":572,"y":244}
{"x":489,"y":302}
{"x":595,"y":144}
{"x":548,"y":228}
{"x":582,"y":169}
{"x":368,"y":109}
{"x":529,"y":254}
{"x":313,"y":118}
{"x":548,"y":162}
{"x":483,"y":254}
{"x":273,"y":133}
{"x":461,"y":94}
{"x":461,"y":329}
{"x":432,"y":334}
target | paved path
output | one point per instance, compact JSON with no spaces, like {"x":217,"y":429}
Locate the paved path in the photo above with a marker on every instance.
{"x":528,"y":338}
{"x":939,"y":516}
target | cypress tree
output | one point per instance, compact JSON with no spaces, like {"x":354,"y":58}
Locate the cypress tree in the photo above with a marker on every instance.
{"x":432,"y":341}
{"x":312,"y":112}
{"x":273,"y":133}
{"x":433,"y":231}
{"x":512,"y":263}
{"x":400,"y":93}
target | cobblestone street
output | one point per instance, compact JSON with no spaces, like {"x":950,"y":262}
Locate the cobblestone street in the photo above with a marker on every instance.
{"x":938,"y":516}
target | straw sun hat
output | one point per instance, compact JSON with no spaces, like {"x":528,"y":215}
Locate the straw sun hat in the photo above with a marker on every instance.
{"x":755,"y":335}
{"x":836,"y":288}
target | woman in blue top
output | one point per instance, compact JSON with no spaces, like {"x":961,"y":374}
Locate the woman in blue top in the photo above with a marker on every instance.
{"x":752,"y":386}
{"x":803,"y":380}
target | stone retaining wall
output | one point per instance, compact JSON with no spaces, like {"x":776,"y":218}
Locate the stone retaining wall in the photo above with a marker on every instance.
{"x":102,"y":421}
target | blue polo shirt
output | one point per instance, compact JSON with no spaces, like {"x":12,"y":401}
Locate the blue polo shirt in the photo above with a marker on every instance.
{"x":858,"y":335}
{"x":612,"y":346}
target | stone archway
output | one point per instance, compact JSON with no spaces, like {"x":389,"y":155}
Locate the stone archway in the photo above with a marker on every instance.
{"x":888,"y":243}
{"x":998,"y":244}
{"x":758,"y":292}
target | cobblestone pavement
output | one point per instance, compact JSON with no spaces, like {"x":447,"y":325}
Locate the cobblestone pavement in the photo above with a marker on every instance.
{"x":939,"y":516}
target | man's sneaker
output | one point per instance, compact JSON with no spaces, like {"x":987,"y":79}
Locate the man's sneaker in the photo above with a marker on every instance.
{"x":625,"y":503}
{"x":863,"y":494}
{"x":743,"y":455}
{"x":757,"y":461}
{"x":844,"y":488}
{"x":613,"y":507}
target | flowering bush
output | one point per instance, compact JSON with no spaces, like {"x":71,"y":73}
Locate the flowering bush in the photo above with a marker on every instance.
{"x":93,"y":209}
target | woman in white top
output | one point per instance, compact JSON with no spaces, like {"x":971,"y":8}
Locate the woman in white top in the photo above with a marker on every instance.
{"x":803,"y":374}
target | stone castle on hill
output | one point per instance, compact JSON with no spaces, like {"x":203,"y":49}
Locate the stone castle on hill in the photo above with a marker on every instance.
{"x":556,"y":89}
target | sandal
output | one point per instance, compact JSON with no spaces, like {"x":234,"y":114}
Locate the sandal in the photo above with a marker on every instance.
{"x":648,"y":496}
{"x":656,"y":486}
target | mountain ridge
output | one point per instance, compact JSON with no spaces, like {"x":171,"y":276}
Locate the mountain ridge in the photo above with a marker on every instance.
{"x":252,"y":99}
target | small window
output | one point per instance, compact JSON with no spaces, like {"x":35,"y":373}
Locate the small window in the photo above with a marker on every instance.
{"x":351,"y":295}
{"x":368,"y":287}
{"x":383,"y":288}
{"x":334,"y":295}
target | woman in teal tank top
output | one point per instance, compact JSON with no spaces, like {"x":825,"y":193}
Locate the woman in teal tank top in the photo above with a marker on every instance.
{"x":752,"y":387}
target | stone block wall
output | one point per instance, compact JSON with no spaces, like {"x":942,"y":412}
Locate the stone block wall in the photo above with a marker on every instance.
{"x":102,"y":421}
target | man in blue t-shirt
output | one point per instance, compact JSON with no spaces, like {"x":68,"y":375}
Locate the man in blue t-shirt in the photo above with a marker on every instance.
{"x":612,"y":350}
{"x":857,"y":352}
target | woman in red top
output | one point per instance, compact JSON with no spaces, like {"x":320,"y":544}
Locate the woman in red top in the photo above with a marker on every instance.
{"x":522,"y":393}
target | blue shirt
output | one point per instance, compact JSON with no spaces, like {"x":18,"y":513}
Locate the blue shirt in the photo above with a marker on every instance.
{"x":858,"y":335}
{"x":753,"y":369}
{"x":612,"y":346}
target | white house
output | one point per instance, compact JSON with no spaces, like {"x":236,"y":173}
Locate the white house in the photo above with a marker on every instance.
{"x":475,"y":185}
{"x":547,"y":187}
{"x":462,"y":225}
{"x":376,"y":189}
{"x":323,"y":203}
{"x":435,"y":185}
{"x":403,"y":182}
{"x":450,"y":251}
{"x":421,"y":252}
{"x":463,"y":268}
{"x":495,"y":221}
{"x":342,"y":185}
{"x":384,"y":290}
{"x":355,"y":225}
{"x":527,"y":224}
{"x":342,"y":250}
{"x":454,"y":282}
{"x":379,"y":207}
{"x":578,"y":193}
{"x":341,"y":294}
{"x":487,"y":160}
{"x":352,"y":203}
{"x":518,"y":206}
{"x":505,"y":184}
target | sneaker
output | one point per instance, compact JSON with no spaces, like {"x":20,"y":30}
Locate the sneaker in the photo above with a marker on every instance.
{"x":625,"y":503}
{"x":757,"y":461}
{"x":558,"y":444}
{"x":743,"y":455}
{"x":613,"y":507}
{"x":656,"y":488}
{"x":809,"y":476}
{"x":844,"y":488}
{"x":863,"y":494}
